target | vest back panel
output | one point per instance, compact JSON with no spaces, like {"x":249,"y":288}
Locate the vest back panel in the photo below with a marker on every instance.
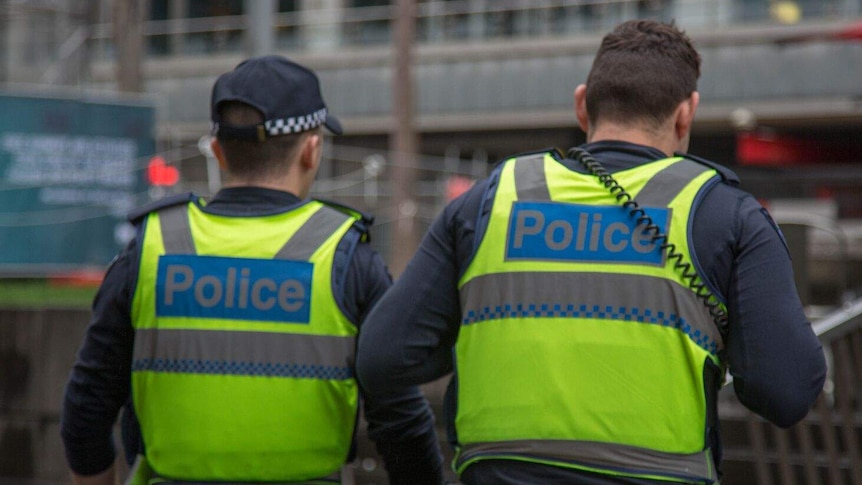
{"x":243,"y":362}
{"x":576,"y":329}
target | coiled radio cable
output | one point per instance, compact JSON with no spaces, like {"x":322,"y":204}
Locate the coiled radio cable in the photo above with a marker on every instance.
{"x":685,"y":268}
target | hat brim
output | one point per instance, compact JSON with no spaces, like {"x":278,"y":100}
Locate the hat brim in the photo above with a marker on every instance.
{"x":333,"y":125}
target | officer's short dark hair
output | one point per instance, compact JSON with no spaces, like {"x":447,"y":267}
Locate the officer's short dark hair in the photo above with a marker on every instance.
{"x":642,"y":71}
{"x":253,"y":158}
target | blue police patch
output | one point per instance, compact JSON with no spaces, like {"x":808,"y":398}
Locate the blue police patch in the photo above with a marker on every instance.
{"x":234,"y":288}
{"x":555,"y":231}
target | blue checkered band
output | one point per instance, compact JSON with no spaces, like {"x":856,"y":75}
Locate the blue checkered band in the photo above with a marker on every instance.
{"x":529,"y":310}
{"x":261,"y":369}
{"x":286,"y":126}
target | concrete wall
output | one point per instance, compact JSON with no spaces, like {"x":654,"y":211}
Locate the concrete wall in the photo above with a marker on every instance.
{"x":37,"y":349}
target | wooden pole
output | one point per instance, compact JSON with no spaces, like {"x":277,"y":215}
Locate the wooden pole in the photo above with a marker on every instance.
{"x":403,"y":140}
{"x":129,"y":42}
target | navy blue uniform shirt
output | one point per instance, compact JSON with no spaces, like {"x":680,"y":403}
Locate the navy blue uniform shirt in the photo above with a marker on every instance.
{"x":400,"y":421}
{"x":776,"y":361}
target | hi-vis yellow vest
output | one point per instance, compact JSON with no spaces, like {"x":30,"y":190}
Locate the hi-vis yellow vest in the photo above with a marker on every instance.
{"x":243,"y":362}
{"x":580,"y":345}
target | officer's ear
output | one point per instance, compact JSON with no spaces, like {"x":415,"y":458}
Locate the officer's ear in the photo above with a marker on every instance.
{"x":684,"y":115}
{"x":312,"y":147}
{"x":581,"y":108}
{"x":215,"y":146}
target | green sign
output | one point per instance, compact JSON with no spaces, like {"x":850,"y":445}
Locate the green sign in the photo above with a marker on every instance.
{"x":70,"y":170}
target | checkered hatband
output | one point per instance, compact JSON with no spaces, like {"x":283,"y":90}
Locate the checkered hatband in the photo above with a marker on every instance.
{"x":298,"y":124}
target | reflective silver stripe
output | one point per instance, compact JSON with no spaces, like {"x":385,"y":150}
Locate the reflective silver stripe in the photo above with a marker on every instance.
{"x":613,"y":457}
{"x":636,"y":298}
{"x":317,"y":229}
{"x":664,"y":186}
{"x":332,"y":479}
{"x":176,"y":230}
{"x":530,"y":182}
{"x":244,"y":353}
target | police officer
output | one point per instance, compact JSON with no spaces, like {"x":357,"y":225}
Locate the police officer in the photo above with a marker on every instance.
{"x":589,"y":304}
{"x":229,"y":326}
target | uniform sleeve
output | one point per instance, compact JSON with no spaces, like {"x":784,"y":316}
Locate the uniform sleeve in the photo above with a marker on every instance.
{"x":400,"y":421}
{"x":408,"y":337}
{"x":99,"y":383}
{"x":776,"y":360}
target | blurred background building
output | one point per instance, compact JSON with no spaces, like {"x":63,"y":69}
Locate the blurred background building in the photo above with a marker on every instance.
{"x":780,"y":91}
{"x":781,"y":104}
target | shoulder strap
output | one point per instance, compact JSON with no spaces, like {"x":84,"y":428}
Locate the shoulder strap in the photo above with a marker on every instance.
{"x":176,"y":229}
{"x":530,"y":182}
{"x":313,"y":233}
{"x":136,"y":215}
{"x":364,"y":220}
{"x":728,"y":176}
{"x":665,"y":185}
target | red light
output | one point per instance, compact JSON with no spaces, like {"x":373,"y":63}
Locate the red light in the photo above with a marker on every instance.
{"x":853,"y":32}
{"x":457,"y":185}
{"x":774,"y":149}
{"x":160,"y":173}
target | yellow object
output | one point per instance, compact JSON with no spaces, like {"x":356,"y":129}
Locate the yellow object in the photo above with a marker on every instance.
{"x":785,"y":12}
{"x":243,"y":360}
{"x":581,"y":346}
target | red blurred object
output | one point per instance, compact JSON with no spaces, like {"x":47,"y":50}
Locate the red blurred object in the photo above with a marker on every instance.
{"x":78,"y":279}
{"x":853,"y":32}
{"x":764,"y":146}
{"x":769,"y":148}
{"x":824,"y":193}
{"x":457,"y":185}
{"x":160,"y":173}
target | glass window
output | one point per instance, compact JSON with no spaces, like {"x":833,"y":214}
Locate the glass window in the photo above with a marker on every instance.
{"x":368,"y":23}
{"x":158,"y":45}
{"x":225,"y":36}
{"x":288,"y":32}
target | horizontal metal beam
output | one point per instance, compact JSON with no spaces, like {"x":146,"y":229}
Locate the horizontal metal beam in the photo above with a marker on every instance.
{"x":711,"y":117}
{"x":840,"y":322}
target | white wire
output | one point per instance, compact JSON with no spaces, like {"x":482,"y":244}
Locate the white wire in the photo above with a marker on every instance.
{"x":68,"y":214}
{"x":140,"y":165}
{"x":91,"y":211}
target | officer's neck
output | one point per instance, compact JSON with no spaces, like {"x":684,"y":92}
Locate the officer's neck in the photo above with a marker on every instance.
{"x":295,"y":185}
{"x":662,"y":139}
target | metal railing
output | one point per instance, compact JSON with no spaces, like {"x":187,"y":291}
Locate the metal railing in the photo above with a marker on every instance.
{"x":50,"y":45}
{"x":824,"y":448}
{"x":447,"y":21}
